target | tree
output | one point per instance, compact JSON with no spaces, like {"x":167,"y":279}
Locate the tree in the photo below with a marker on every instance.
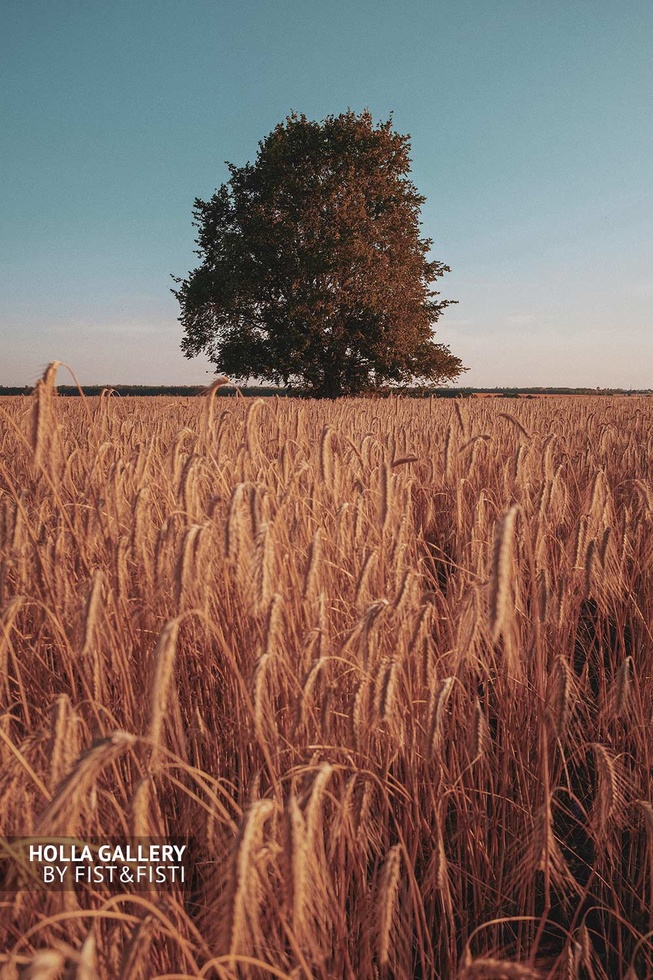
{"x":312,"y":270}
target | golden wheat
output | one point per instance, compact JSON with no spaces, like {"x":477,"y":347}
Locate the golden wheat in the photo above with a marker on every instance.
{"x":262,"y":626}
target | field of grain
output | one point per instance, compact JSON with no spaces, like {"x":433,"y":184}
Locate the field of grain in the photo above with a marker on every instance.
{"x":386,"y":663}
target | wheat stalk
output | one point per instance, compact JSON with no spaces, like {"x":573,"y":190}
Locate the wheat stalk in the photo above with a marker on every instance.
{"x":488,"y":968}
{"x":246,"y":892}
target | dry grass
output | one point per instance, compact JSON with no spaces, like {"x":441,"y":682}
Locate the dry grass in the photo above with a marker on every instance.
{"x":388,"y":663}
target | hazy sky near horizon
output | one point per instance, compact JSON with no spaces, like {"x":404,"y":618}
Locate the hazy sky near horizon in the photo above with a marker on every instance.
{"x":532,"y":140}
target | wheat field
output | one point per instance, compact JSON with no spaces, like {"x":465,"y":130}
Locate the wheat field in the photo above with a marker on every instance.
{"x":386,"y":663}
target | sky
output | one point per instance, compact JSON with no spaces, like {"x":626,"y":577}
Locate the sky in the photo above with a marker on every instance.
{"x":532,"y":141}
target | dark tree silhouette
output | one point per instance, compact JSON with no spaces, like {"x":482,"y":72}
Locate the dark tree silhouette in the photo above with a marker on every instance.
{"x":312,"y":270}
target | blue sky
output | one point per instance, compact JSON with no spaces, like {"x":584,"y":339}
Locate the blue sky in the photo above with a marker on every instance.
{"x":532,"y":140}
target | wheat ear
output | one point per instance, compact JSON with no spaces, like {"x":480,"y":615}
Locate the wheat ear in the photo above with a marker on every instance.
{"x":164,"y":660}
{"x":388,"y":890}
{"x":501,"y":573}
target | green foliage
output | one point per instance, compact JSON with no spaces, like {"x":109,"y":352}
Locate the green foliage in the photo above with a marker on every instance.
{"x":312,"y":270}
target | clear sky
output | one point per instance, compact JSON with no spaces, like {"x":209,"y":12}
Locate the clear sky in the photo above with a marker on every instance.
{"x":532,"y":139}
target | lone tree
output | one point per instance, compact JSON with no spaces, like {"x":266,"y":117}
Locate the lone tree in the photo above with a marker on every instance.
{"x":312,"y":270}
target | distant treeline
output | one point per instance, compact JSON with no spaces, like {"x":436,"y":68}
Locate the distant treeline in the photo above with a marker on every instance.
{"x":190,"y":391}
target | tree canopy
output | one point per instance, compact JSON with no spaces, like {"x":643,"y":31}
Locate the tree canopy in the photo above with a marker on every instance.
{"x":312,"y":272}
